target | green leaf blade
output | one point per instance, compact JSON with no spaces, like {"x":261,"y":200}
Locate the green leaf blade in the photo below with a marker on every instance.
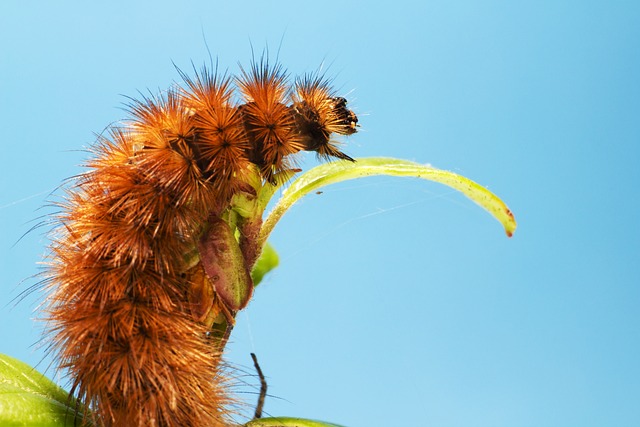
{"x":288,"y":422}
{"x":28,"y":398}
{"x":337,"y":171}
{"x":268,"y":261}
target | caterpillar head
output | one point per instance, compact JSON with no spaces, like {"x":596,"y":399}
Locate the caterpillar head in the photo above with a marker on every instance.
{"x":318,"y":114}
{"x":347,"y":118}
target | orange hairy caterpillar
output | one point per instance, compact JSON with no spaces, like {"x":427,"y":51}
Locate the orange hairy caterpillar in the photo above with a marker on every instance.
{"x":146,"y":273}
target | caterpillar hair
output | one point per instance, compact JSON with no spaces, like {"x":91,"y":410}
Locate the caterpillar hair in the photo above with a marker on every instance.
{"x":268,"y":121}
{"x":133,"y":297}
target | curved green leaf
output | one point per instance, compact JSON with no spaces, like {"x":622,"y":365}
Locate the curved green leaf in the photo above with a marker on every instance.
{"x":287,"y":422}
{"x":268,"y":261}
{"x":337,"y":171}
{"x":28,"y":398}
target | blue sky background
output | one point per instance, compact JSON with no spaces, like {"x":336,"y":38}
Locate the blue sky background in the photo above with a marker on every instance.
{"x":398,"y":302}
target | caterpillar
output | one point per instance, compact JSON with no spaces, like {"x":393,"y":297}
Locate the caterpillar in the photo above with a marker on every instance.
{"x":137,"y":310}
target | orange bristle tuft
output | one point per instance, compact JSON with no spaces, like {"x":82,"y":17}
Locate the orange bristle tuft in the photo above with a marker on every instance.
{"x":268,"y":121}
{"x":221,"y":139}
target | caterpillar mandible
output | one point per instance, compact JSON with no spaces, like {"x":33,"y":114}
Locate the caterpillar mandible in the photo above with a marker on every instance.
{"x":144,"y":271}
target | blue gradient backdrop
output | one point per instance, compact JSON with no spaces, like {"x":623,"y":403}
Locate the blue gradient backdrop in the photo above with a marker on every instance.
{"x":398,"y":302}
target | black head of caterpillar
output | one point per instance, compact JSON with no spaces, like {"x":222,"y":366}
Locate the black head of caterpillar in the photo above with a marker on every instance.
{"x":318,"y":113}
